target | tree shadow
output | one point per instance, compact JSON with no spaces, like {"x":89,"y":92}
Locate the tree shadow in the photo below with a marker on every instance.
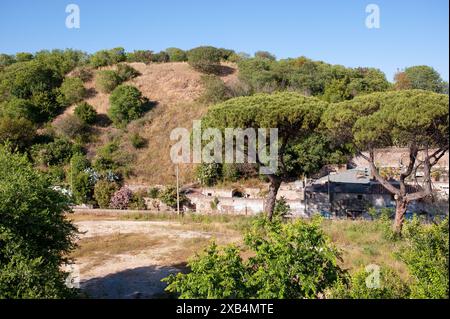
{"x":91,"y":92}
{"x":149,"y":105}
{"x":224,"y":70}
{"x":103,"y":120}
{"x":136,"y":283}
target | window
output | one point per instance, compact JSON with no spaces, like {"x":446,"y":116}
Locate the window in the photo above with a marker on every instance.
{"x":360,"y":197}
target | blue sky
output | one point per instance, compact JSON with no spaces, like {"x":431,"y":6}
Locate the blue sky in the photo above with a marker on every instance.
{"x":412,"y":32}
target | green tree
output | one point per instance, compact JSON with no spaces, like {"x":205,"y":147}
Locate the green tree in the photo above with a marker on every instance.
{"x":296,"y":117}
{"x":205,"y":59}
{"x":420,"y":77}
{"x":126,"y":105}
{"x":19,"y":132}
{"x":169,"y":197}
{"x":176,"y":55}
{"x":35,"y":236}
{"x":414,"y":119}
{"x":265,"y":55}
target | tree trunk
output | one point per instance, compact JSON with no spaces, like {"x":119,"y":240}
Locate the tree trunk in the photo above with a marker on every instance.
{"x":400,"y":210}
{"x":269,"y":205}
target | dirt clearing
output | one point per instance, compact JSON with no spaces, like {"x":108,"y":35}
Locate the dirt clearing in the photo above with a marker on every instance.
{"x":128,"y":259}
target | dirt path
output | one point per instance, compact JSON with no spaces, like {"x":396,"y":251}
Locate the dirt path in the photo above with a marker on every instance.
{"x":128,"y":259}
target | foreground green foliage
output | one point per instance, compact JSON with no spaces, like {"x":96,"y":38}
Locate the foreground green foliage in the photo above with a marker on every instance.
{"x":292,"y":260}
{"x":35,"y":237}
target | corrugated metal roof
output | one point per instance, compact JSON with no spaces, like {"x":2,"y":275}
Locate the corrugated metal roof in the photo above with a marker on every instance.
{"x":351,"y":176}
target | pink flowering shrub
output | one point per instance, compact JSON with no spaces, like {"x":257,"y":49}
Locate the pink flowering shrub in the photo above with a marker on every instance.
{"x":121,"y":199}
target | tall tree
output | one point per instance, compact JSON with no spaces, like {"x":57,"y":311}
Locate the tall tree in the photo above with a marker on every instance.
{"x":414,"y":119}
{"x":295,"y":116}
{"x":420,"y":77}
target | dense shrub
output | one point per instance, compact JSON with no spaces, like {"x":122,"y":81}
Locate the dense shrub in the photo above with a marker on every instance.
{"x":121,"y":198}
{"x":20,"y":108}
{"x":107,"y":80}
{"x":205,"y":59}
{"x":35,"y":236}
{"x":79,"y":179}
{"x":126,"y":72}
{"x":169,"y":197}
{"x":19,"y":132}
{"x":176,"y":55}
{"x":107,"y":57}
{"x":209,"y":173}
{"x":153,"y":192}
{"x":144,"y":56}
{"x":265,"y":55}
{"x":137,"y":141}
{"x":24,"y":56}
{"x":427,"y":256}
{"x":126,"y":105}
{"x":160,"y":57}
{"x":58,"y":152}
{"x":292,"y":260}
{"x":215,"y":90}
{"x":282,"y":209}
{"x":72,"y":90}
{"x":103,"y":192}
{"x":6,"y":59}
{"x":84,"y":73}
{"x":86,"y":113}
{"x":138,"y":201}
{"x":71,"y":127}
{"x":363,"y":285}
{"x":61,"y":61}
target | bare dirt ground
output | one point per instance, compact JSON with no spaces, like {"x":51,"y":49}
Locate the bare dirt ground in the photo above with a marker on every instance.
{"x":128,"y":259}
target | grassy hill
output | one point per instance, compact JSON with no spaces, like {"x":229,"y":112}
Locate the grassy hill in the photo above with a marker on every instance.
{"x":174,"y":89}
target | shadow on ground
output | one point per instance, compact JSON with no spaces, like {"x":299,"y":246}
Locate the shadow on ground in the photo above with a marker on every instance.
{"x":136,"y":283}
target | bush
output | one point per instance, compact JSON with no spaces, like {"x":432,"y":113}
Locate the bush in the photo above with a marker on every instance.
{"x":19,"y":132}
{"x":71,"y":127}
{"x":292,"y":260}
{"x":121,"y":198}
{"x":144,"y":56}
{"x":80,"y":182}
{"x":84,"y":73}
{"x":176,"y":55}
{"x":282,"y":209}
{"x":126,"y":72}
{"x":126,"y":105}
{"x":20,"y":108}
{"x":265,"y":55}
{"x":103,"y":192}
{"x":169,"y":197}
{"x":209,"y":173}
{"x":138,"y":201}
{"x":215,"y":90}
{"x":107,"y":80}
{"x":86,"y":113}
{"x":390,"y":286}
{"x":427,"y":256}
{"x":72,"y":90}
{"x":35,"y":236}
{"x":205,"y":59}
{"x":161,"y":57}
{"x":137,"y":141}
{"x":153,"y":192}
{"x":107,"y":57}
{"x":58,"y":152}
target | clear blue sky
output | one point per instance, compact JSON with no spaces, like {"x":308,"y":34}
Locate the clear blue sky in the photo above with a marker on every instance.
{"x":413,"y":32}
